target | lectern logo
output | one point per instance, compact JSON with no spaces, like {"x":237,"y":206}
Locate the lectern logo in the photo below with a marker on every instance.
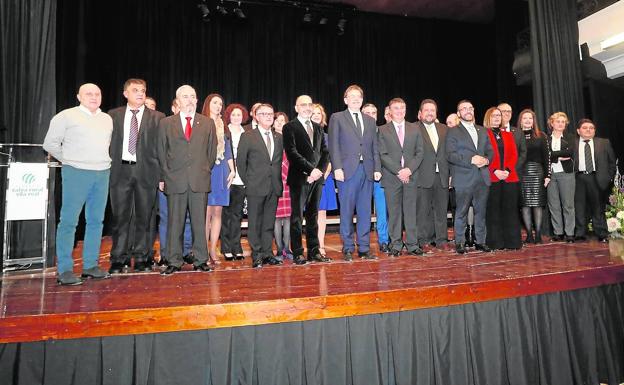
{"x":28,"y":178}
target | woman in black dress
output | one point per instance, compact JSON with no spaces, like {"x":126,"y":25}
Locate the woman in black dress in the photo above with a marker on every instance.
{"x":535,"y":175}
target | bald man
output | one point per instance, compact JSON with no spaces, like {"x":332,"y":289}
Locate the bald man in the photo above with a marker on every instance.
{"x":79,"y":138}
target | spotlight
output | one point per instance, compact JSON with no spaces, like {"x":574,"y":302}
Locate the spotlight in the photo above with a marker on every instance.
{"x":323,"y":20}
{"x":341,"y":26}
{"x":205,"y":12}
{"x":221,"y":9}
{"x":307,"y":17}
{"x":239,"y":12}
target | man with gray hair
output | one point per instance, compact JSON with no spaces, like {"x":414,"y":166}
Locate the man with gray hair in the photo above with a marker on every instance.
{"x":79,"y":138}
{"x":187,"y":151}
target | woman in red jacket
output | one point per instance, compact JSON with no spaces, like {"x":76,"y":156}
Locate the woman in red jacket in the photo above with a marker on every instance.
{"x":502,"y":219}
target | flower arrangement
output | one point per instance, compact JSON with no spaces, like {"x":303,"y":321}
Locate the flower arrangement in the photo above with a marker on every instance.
{"x":615,"y":209}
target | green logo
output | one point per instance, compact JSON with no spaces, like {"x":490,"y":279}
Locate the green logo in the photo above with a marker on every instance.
{"x":28,"y":178}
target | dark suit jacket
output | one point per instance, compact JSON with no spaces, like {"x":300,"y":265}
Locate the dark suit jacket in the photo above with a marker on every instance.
{"x":304,"y":156}
{"x":185,"y":163}
{"x":604,"y":159}
{"x":459,"y":152}
{"x":521,"y":147}
{"x":427,"y":170}
{"x":566,"y":150}
{"x":390,"y":152}
{"x":148,"y":170}
{"x":347,"y":144}
{"x":261,"y":175}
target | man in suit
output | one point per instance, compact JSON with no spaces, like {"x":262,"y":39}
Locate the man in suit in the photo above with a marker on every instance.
{"x":187,"y":151}
{"x":519,"y":139}
{"x":307,"y":155}
{"x":252,"y":113}
{"x":379,"y":197}
{"x":355,"y":159}
{"x":432,"y":180}
{"x":134,"y":178}
{"x":595,"y":169}
{"x":259,"y":163}
{"x":401,"y":154}
{"x":468,"y":151}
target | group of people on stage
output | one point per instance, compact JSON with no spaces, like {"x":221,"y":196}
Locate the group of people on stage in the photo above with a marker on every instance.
{"x":199,"y":169}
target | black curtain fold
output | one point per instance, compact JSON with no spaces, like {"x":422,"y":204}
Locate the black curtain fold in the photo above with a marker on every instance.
{"x":557,"y":80}
{"x":564,"y":338}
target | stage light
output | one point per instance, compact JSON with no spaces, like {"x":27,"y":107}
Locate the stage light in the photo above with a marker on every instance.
{"x":221,"y":9}
{"x":239,"y":12}
{"x":203,"y":9}
{"x":323,"y":20}
{"x":307,"y":17}
{"x":341,"y":26}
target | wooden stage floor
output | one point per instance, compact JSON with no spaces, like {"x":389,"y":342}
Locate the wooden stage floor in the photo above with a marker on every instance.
{"x":33,"y":307}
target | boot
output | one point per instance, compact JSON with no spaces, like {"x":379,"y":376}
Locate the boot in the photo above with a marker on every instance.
{"x":538,"y":236}
{"x":470,"y":237}
{"x":529,"y":238}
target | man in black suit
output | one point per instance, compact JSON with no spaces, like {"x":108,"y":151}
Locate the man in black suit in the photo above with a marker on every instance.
{"x":401,"y":154}
{"x":308,"y":157}
{"x":432,"y":180}
{"x":468,"y":151}
{"x":595,"y":168}
{"x":134,"y":178}
{"x":187,"y":151}
{"x":259,"y":163}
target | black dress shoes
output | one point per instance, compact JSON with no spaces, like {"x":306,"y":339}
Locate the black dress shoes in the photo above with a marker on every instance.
{"x":319,"y":258}
{"x":142,"y":267}
{"x":299,"y":260}
{"x":202,"y":267}
{"x":257,"y":263}
{"x":271,"y":260}
{"x":239,"y":256}
{"x":416,"y":251}
{"x":569,"y":239}
{"x":557,"y":238}
{"x":603,"y":239}
{"x":189,"y":258}
{"x":228,"y":256}
{"x":348,"y":255}
{"x":170,"y":270}
{"x":482,"y":247}
{"x":384,"y":248}
{"x":116,"y":268}
{"x":460,"y":248}
{"x":394,"y":253}
{"x":366,"y":255}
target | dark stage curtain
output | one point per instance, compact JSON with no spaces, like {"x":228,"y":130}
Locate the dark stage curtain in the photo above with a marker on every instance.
{"x":271,"y":56}
{"x":563,"y":338}
{"x":606,"y":107}
{"x":557,"y":80}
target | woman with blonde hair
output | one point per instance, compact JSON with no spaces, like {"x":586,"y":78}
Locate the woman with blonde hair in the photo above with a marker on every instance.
{"x":222,"y":175}
{"x":560,"y":190}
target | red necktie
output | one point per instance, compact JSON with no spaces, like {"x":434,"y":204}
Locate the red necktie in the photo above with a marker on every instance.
{"x":188,"y":130}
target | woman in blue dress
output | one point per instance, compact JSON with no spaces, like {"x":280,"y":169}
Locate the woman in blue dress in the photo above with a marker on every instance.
{"x":221,"y":178}
{"x":328,"y":194}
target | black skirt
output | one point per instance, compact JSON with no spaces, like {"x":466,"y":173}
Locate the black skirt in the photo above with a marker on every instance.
{"x":533,"y":190}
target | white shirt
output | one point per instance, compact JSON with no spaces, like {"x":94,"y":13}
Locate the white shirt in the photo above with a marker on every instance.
{"x":359,"y":116}
{"x":264,"y":134}
{"x":472,"y":130}
{"x":433,"y":135}
{"x":303,"y":123}
{"x":183,"y":116}
{"x":581,"y":154}
{"x":125,"y":154}
{"x":235,"y":140}
{"x":555,"y":145}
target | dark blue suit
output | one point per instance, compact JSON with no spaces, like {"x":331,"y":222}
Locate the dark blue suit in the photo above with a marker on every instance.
{"x":471,"y":183}
{"x":357,"y":156}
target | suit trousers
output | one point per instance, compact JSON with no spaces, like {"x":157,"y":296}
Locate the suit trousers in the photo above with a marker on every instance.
{"x":163,"y":213}
{"x":261,"y":215}
{"x":560,"y":193}
{"x":355,"y":195}
{"x":432,"y":210}
{"x":178,"y":204}
{"x":502,"y":218}
{"x":304,"y":200}
{"x":131,"y":204}
{"x":231,"y":218}
{"x":401,"y":203}
{"x":381,"y":213}
{"x":477,"y":196}
{"x":590,"y":202}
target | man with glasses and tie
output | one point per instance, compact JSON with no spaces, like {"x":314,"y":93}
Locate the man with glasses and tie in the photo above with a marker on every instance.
{"x":401,"y":154}
{"x":595,"y":168}
{"x":134,"y":178}
{"x":187,"y":151}
{"x":259,"y":163}
{"x":308,"y":157}
{"x":355,"y":159}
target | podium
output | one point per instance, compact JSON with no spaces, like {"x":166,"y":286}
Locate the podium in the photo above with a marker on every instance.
{"x":28,"y":178}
